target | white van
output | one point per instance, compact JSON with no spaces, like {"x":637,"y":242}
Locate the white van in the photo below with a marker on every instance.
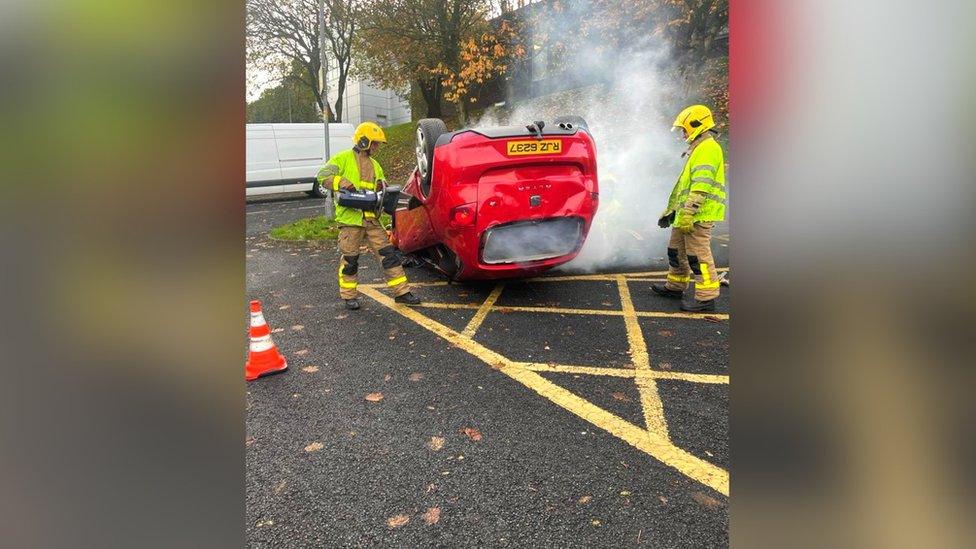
{"x":285,"y":158}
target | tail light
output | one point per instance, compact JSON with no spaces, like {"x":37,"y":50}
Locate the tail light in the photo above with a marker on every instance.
{"x":462,"y":216}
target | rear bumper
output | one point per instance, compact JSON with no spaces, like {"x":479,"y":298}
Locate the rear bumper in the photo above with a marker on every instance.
{"x":521,"y":249}
{"x":531,"y":241}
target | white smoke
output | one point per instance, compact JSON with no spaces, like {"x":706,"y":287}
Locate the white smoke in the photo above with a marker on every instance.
{"x":629,"y":116}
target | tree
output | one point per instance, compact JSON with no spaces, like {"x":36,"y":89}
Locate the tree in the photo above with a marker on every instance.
{"x":480,"y":59}
{"x":407,"y":42}
{"x":605,"y":29}
{"x":691,"y":26}
{"x":290,"y":101}
{"x":281,"y":33}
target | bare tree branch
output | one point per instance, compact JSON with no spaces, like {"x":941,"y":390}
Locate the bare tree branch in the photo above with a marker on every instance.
{"x":281,"y":31}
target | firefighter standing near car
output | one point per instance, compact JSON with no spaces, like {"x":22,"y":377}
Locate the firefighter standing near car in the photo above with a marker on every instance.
{"x":696,"y":203}
{"x":357,"y":170}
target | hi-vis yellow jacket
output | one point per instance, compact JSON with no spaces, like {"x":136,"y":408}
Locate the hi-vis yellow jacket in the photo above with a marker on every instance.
{"x":704,"y":172}
{"x":344,"y":165}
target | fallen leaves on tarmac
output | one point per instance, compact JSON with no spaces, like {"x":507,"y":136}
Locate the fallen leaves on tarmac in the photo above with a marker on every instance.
{"x":664,"y":365}
{"x":314,"y":447}
{"x":665,"y":333}
{"x":397,"y":521}
{"x":283,"y":307}
{"x":280,"y":487}
{"x":435,"y":443}
{"x":706,"y":500}
{"x":584,"y":500}
{"x":374,"y":397}
{"x":249,"y":441}
{"x":432,"y":515}
{"x":472,"y":433}
{"x":310,"y":369}
{"x":298,"y":327}
{"x":416,"y":376}
{"x":619,"y":396}
{"x":303,"y":352}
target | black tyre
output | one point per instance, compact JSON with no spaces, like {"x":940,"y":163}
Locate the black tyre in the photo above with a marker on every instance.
{"x":572,"y":121}
{"x":318,"y":190}
{"x":428,"y":130}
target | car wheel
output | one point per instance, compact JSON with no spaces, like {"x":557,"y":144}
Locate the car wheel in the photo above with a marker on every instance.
{"x":319,"y":190}
{"x":428,"y":130}
{"x":572,"y":121}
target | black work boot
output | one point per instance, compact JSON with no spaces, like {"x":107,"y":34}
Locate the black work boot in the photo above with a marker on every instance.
{"x":352,"y":304}
{"x":407,"y":299}
{"x":661,"y":289}
{"x":694,"y":306}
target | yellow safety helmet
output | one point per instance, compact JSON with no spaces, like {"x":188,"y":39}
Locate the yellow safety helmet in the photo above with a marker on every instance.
{"x":695,"y":120}
{"x":366,"y":134}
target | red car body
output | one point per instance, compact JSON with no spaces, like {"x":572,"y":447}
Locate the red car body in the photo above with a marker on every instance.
{"x":502,"y":203}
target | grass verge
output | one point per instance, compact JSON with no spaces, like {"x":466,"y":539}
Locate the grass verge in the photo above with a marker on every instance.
{"x":312,"y":228}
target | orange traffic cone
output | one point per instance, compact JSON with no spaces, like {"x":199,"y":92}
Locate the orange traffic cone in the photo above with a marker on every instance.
{"x":263,"y":358}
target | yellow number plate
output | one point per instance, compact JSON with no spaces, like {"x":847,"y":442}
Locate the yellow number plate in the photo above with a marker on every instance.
{"x":545,"y":146}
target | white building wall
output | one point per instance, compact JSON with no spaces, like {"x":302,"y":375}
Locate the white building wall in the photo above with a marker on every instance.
{"x":363,"y":101}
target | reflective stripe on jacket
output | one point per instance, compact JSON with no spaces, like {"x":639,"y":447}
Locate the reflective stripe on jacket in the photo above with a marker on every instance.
{"x":344,"y":165}
{"x":704,"y":172}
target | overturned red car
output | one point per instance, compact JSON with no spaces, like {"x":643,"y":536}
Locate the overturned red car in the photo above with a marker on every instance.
{"x":503,"y":202}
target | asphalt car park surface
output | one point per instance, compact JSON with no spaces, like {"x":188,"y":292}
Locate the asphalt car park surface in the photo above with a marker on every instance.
{"x":599,"y":418}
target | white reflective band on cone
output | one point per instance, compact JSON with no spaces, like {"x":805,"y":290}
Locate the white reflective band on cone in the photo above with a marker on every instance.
{"x":257,"y":319}
{"x":262,"y":343}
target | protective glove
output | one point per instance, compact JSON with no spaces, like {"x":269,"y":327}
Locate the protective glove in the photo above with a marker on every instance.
{"x":666,"y":218}
{"x":685,"y":221}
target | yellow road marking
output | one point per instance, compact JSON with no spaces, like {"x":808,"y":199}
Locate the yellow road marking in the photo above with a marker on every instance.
{"x":693,"y":378}
{"x":569,"y":311}
{"x":656,"y":446}
{"x":432,"y":305}
{"x":657,"y":426}
{"x":558,"y":310}
{"x":479,"y":316}
{"x":623,"y":372}
{"x":570,"y":369}
{"x":656,"y":314}
{"x":608,"y":312}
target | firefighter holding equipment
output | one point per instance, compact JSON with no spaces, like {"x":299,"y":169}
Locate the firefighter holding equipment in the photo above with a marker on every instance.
{"x":696,"y":203}
{"x":357,"y":170}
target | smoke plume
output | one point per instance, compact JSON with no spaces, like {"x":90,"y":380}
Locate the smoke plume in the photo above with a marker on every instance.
{"x":629,"y":112}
